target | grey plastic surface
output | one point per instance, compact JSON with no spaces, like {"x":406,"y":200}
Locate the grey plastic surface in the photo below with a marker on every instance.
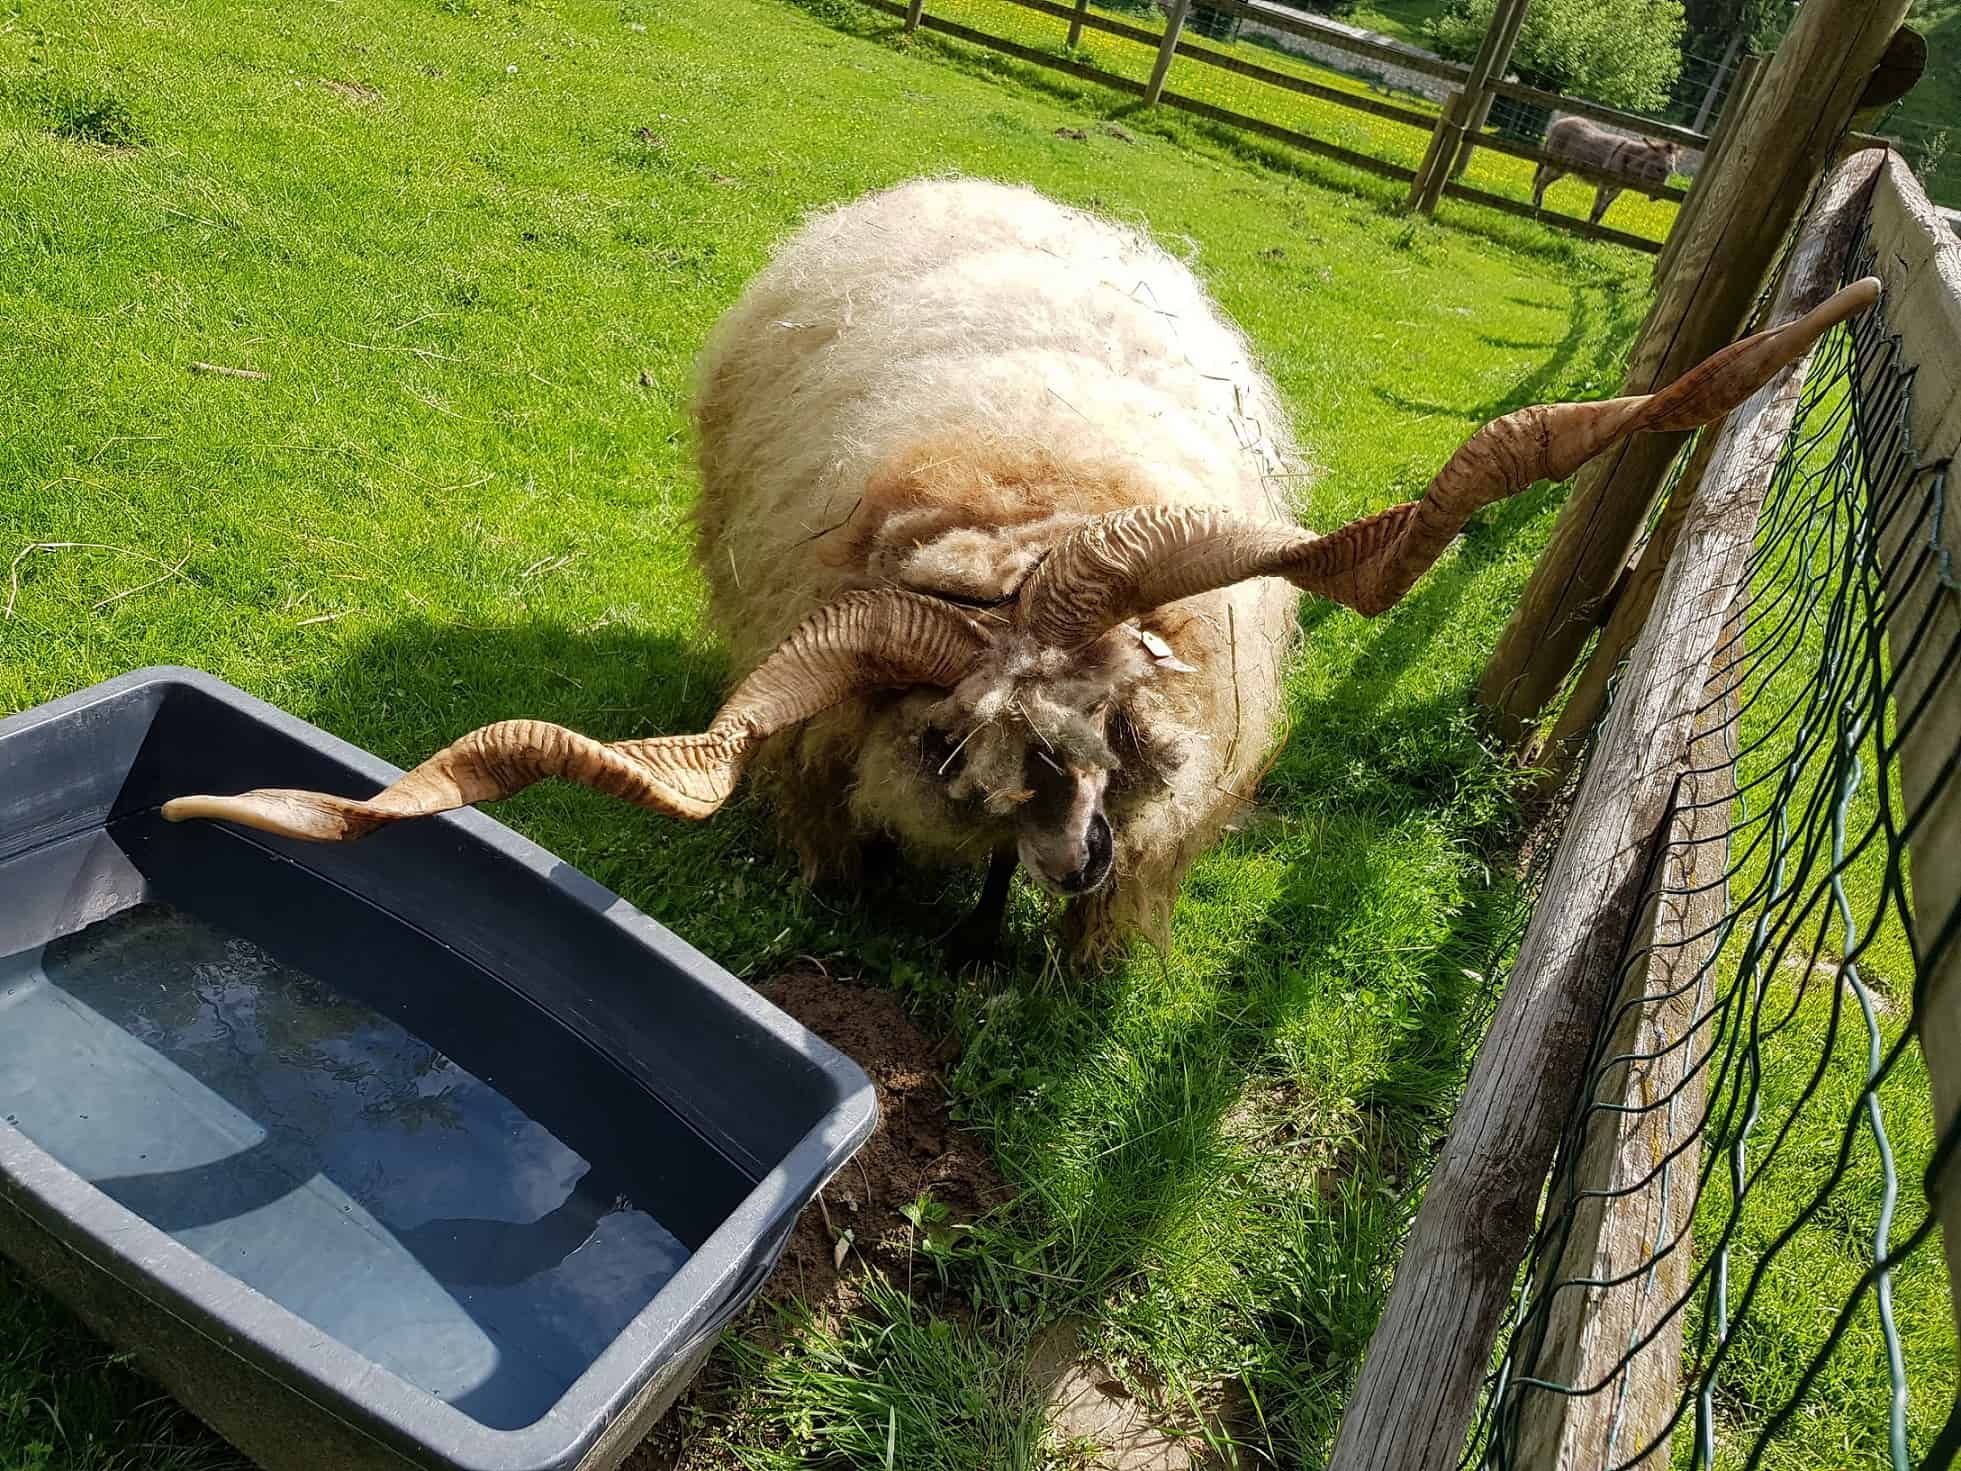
{"x":623,"y":1134}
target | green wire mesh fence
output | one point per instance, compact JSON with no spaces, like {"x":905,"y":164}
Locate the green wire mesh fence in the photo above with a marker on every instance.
{"x":1784,"y":1297}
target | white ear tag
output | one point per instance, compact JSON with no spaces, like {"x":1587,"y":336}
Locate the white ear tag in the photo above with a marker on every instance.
{"x":1161,"y":654}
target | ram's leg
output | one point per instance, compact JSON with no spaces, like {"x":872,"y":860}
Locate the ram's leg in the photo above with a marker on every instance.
{"x":878,"y":859}
{"x":976,"y":938}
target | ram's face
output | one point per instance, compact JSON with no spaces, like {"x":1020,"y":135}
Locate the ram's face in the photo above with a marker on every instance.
{"x":1042,"y":750}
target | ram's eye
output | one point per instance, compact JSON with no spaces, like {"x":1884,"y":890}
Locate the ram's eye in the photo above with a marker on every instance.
{"x":940,"y":752}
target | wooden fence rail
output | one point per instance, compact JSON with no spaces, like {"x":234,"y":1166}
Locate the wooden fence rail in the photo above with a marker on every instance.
{"x":1171,"y":45}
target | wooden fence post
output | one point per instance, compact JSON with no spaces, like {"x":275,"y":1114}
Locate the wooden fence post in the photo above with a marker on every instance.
{"x":1441,"y":138}
{"x":1736,"y":105}
{"x":1611,"y":1202}
{"x":1633,"y":600}
{"x":1808,"y":93}
{"x":1173,"y":24}
{"x":1076,"y":24}
{"x":1614,"y":1198}
{"x":1480,"y":114}
{"x":1493,"y":51}
{"x":1413,"y":1400}
{"x":914,"y":8}
{"x":1919,"y":260}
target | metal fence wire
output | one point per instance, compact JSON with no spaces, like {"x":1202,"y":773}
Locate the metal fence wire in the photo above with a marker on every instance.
{"x":1755,"y":1083}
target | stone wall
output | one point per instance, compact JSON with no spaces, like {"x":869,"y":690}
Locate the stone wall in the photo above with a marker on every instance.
{"x":1386,"y":73}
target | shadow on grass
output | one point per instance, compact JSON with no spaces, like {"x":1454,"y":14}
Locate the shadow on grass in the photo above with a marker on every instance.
{"x":1614,"y":323}
{"x":1158,"y":1147}
{"x":723,"y":884}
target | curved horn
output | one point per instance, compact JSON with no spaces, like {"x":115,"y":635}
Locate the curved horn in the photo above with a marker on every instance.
{"x":1122,"y":564}
{"x":861,"y":641}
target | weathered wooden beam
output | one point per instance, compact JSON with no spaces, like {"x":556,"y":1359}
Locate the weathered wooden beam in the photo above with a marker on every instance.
{"x":1809,"y":91}
{"x":1628,"y":1196}
{"x":1414,"y":1397}
{"x":1919,"y":260}
{"x":1554,"y":751}
{"x":1076,"y":19}
{"x":1174,"y":23}
{"x":913,"y":11}
{"x":1635,"y":597}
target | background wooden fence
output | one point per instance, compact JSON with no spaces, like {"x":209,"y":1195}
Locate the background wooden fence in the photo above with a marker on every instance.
{"x":1183,"y":72}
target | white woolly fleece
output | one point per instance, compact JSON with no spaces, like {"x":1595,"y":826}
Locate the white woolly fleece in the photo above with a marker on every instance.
{"x":980,"y":323}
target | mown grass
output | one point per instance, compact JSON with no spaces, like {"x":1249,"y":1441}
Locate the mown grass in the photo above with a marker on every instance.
{"x":474,"y":246}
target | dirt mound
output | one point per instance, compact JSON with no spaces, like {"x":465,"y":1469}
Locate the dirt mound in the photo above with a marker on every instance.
{"x":915,"y":1148}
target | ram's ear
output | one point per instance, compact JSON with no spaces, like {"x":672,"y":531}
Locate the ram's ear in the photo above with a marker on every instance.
{"x":864,"y":640}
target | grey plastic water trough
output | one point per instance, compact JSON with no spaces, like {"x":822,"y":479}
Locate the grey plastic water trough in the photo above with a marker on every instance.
{"x":426,"y":1151}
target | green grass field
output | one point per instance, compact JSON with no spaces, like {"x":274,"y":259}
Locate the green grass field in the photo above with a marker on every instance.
{"x":474,"y":244}
{"x":1406,"y":20}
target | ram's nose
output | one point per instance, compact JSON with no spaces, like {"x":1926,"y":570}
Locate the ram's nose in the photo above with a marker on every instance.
{"x":1079,"y":865}
{"x":1099,"y":853}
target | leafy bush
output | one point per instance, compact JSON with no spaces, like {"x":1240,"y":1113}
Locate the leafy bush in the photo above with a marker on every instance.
{"x":1625,"y":53}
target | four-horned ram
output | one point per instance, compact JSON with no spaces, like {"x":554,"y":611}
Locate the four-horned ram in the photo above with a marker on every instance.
{"x":1611,"y":162}
{"x":994,"y":528}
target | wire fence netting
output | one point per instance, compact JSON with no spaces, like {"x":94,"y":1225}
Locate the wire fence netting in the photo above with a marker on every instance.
{"x":1738,"y":1262}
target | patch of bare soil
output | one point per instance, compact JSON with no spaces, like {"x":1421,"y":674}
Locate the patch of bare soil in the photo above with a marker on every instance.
{"x":915,"y":1149}
{"x":1103,"y":1424}
{"x":361,"y":92}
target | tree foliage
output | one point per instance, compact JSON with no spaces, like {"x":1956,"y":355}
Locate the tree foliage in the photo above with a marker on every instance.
{"x":1760,"y":22}
{"x":1625,"y":53}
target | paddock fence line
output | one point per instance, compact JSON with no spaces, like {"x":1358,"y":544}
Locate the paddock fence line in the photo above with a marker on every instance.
{"x":1276,"y":98}
{"x":1738,"y":1003}
{"x":1837,"y":66}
